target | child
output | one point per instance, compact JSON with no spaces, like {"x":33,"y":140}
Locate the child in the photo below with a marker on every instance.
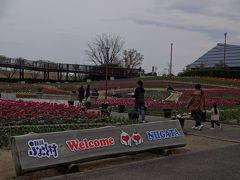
{"x":215,"y":116}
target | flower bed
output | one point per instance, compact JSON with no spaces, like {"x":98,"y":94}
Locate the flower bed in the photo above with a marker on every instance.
{"x":21,"y":117}
{"x":129,"y":102}
{"x":29,"y":112}
{"x":151,"y":103}
{"x":7,"y":131}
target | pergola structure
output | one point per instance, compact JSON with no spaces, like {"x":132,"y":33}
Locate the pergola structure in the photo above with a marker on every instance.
{"x":63,"y":70}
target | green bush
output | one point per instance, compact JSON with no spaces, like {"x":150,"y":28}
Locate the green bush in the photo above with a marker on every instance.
{"x":224,"y":73}
{"x":7,"y":131}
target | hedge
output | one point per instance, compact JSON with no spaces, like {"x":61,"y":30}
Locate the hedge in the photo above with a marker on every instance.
{"x":7,"y":131}
{"x":227,"y":73}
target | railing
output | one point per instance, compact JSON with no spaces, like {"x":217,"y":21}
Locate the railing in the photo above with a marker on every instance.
{"x":60,"y":67}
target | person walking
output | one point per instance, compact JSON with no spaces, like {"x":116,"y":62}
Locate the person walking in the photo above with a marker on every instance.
{"x":87,"y":93}
{"x":170,"y":89}
{"x":215,"y":115}
{"x":139,"y":100}
{"x":81,"y":92}
{"x":114,"y":92}
{"x":197,"y":106}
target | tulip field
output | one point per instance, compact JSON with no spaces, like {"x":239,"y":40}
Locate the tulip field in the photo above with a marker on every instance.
{"x":37,"y":113}
{"x":20,"y":117}
{"x":228,"y":101}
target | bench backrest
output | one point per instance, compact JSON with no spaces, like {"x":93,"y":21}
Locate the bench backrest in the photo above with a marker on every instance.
{"x":39,"y":151}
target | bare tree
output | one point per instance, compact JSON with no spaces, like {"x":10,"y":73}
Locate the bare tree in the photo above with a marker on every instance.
{"x":103,"y":47}
{"x":3,"y":59}
{"x":132,"y":58}
{"x":20,"y":61}
{"x":7,"y":72}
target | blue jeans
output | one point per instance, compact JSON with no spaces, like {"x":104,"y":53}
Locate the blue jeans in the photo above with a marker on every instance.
{"x":140,"y":108}
{"x":197,"y":115}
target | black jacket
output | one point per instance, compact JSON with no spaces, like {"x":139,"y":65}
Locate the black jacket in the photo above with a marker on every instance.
{"x":139,"y":95}
{"x":81,"y":92}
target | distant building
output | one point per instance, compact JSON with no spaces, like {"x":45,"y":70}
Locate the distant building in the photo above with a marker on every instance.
{"x":215,"y":57}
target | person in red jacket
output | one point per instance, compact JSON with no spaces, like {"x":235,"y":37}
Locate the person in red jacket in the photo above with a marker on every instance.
{"x":197,"y":106}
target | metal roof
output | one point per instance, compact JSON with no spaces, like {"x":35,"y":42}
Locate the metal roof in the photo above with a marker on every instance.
{"x":216,"y":56}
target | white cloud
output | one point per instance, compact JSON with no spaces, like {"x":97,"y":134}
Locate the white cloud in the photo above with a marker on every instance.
{"x":59,"y":29}
{"x":192,"y":16}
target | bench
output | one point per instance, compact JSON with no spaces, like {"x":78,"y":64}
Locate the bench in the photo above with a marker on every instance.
{"x":32,"y":152}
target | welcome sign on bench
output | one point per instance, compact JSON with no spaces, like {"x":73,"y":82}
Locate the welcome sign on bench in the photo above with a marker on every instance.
{"x":40,"y":151}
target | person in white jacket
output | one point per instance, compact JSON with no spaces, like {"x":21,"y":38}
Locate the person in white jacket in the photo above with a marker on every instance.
{"x":215,"y":115}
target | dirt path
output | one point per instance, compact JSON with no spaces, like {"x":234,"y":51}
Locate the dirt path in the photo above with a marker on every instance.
{"x":194,"y":144}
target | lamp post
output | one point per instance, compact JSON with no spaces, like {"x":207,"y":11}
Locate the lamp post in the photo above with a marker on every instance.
{"x":106,"y":75}
{"x":224,"y":56}
{"x":170,"y":65}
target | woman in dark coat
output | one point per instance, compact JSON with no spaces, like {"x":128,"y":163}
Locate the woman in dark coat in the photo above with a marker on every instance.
{"x":81,"y":92}
{"x":88,"y":94}
{"x":139,"y":100}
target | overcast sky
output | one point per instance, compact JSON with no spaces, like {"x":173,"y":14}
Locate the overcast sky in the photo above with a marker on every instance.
{"x":58,"y":30}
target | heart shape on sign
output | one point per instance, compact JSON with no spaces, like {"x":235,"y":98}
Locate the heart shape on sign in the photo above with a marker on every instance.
{"x":125,"y":138}
{"x":136,"y":137}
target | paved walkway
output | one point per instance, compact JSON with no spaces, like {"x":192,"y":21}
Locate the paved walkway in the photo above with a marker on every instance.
{"x":228,"y":133}
{"x":219,"y":164}
{"x":58,"y":101}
